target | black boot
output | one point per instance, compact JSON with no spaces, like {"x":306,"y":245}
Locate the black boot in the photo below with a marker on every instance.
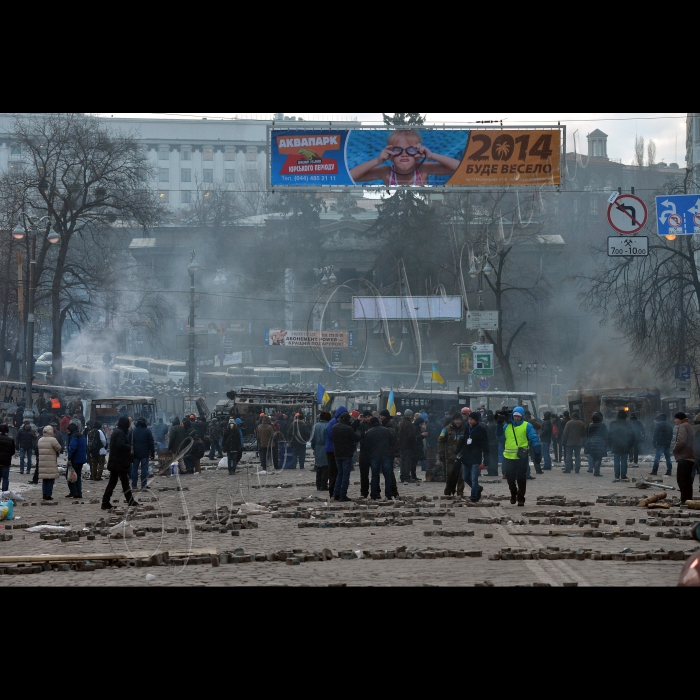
{"x":107,"y":506}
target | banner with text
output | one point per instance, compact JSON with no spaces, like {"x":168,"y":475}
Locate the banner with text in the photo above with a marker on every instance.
{"x":402,"y":158}
{"x":312,"y":339}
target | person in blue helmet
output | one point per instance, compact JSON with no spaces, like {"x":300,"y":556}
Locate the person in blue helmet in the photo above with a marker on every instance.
{"x":519,"y":438}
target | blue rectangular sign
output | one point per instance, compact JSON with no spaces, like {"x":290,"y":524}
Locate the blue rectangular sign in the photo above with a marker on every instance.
{"x":678,"y":215}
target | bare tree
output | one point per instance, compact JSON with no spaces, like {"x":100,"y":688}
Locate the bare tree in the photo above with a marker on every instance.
{"x":639,"y":150}
{"x":214,"y":205}
{"x":88,"y":180}
{"x":651,"y":154}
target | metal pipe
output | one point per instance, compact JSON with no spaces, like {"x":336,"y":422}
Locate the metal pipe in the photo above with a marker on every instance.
{"x":192,"y":334}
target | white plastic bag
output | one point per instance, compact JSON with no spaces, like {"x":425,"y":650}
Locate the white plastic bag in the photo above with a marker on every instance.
{"x":223,"y":464}
{"x":11,"y":496}
{"x":72,"y":475}
{"x":252,"y":509}
{"x":48,"y":528}
{"x":123,"y":531}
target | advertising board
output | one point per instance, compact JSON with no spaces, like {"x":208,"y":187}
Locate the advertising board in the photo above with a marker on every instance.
{"x":309,"y":339}
{"x":439,"y":308}
{"x":410,"y":158}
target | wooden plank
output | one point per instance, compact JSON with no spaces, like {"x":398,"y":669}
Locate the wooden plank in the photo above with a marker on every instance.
{"x":64,"y":558}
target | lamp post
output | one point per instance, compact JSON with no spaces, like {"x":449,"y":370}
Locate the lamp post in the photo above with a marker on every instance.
{"x":192,"y":268}
{"x":29,"y":228}
{"x":531,"y":367}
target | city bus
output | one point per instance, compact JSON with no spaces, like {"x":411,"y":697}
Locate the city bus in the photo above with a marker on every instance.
{"x":132,"y":361}
{"x":167,"y":371}
{"x":131,"y":373}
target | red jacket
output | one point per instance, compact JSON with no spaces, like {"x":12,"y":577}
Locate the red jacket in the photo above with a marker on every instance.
{"x":65,"y":422}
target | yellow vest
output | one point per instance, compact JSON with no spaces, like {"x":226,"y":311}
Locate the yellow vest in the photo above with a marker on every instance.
{"x":512,"y":445}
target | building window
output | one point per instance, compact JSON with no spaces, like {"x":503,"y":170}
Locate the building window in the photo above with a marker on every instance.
{"x":164,"y":153}
{"x":230,"y":175}
{"x":230,"y":154}
{"x":208,"y":154}
{"x":208,"y":175}
{"x":164,"y":196}
{"x":164,"y":175}
{"x":186,"y":175}
{"x":186,"y":197}
{"x":594,"y":205}
{"x":186,"y":154}
{"x":16,"y":151}
{"x":16,"y":169}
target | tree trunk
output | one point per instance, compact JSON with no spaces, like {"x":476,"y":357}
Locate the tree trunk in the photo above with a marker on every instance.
{"x":56,"y":340}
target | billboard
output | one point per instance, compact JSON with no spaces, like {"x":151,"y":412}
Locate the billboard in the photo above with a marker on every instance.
{"x":408,"y":158}
{"x":309,"y":339}
{"x":407,"y":308}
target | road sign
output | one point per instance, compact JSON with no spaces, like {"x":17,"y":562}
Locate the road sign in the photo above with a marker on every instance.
{"x":683,"y":373}
{"x":465,"y":360}
{"x":628,"y":214}
{"x":483,"y":364}
{"x":482,"y":348}
{"x":482,"y":320}
{"x":683,"y":395}
{"x":678,"y":215}
{"x":628,"y":246}
{"x":556,"y":392}
{"x":484,"y":384}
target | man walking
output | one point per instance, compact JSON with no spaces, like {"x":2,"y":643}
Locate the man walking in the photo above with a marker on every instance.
{"x":475,"y":450}
{"x":519,"y":438}
{"x":215,"y":441}
{"x":232,"y":446}
{"x":662,"y":439}
{"x":620,"y":441}
{"x":119,"y":465}
{"x":266,"y":436}
{"x":345,"y":441}
{"x":684,"y":452}
{"x":144,"y":448}
{"x":574,"y":437}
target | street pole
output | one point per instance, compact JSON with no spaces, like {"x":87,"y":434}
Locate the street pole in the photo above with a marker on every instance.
{"x":192,"y":268}
{"x":31,"y":322}
{"x":20,"y":314}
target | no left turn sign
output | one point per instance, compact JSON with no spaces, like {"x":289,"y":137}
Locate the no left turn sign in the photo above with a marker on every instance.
{"x":628,"y":214}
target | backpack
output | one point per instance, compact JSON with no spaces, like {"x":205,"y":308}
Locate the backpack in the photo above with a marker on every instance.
{"x":94,"y":443}
{"x":555,"y":430}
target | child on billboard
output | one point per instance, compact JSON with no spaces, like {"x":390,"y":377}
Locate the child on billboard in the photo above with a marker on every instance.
{"x":408,"y":156}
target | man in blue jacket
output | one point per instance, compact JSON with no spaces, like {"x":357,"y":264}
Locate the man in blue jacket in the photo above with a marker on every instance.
{"x":330,"y":451}
{"x":141,"y":439}
{"x":77,"y":457}
{"x":519,"y":438}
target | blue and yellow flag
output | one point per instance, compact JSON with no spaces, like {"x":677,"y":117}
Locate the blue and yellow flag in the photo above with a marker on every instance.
{"x":391,"y":404}
{"x":437,"y":377}
{"x":322,"y":396}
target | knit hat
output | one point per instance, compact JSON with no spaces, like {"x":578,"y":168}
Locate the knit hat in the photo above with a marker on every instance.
{"x":408,"y":413}
{"x":355,"y":414}
{"x":385,"y":414}
{"x":475,"y":416}
{"x":681,"y":416}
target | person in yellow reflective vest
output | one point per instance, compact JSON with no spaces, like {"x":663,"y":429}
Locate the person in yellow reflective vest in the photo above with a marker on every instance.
{"x":519,"y":438}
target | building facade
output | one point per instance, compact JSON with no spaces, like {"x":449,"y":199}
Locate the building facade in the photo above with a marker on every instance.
{"x":693,"y":155}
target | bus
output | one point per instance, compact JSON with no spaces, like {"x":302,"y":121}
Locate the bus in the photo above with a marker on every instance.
{"x":131,"y":373}
{"x":109,"y":410}
{"x":167,"y":371}
{"x":132,"y":361}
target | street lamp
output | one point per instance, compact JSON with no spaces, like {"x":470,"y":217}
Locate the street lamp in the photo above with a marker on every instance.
{"x":531,"y":367}
{"x":192,"y":269}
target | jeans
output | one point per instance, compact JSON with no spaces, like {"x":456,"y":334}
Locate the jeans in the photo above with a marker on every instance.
{"x":685,"y":479}
{"x":470,"y":474}
{"x":215,"y":451}
{"x":666,"y":452}
{"x":342,"y":482}
{"x":382,"y":465}
{"x":634,"y":455}
{"x":47,"y":488}
{"x":76,"y":489}
{"x":621,"y":465}
{"x":23,"y":453}
{"x":557,"y":450}
{"x":5,"y":472}
{"x":573,"y":452}
{"x":406,"y":464}
{"x":114,"y":478}
{"x":232,"y":462}
{"x":516,"y":472}
{"x":144,"y":464}
{"x":365,"y":465}
{"x":332,"y":472}
{"x":298,"y":454}
{"x":547,"y":457}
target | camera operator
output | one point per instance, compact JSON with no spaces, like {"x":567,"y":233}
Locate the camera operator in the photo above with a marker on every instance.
{"x":519,"y":438}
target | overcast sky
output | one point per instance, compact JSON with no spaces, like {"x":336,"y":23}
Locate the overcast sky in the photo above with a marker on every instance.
{"x":666,"y":129}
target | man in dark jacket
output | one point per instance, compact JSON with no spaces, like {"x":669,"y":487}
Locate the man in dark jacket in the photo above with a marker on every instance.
{"x":178,"y":435}
{"x":449,"y":442}
{"x":419,"y":450}
{"x":26,"y":442}
{"x":378,"y":446}
{"x":684,"y":452}
{"x":345,"y":441}
{"x":119,"y":465}
{"x":161,"y":431}
{"x":318,"y":444}
{"x":44,"y":419}
{"x":77,"y":457}
{"x":546,"y":441}
{"x":620,"y":440}
{"x":330,"y":450}
{"x":232,"y":446}
{"x":298,"y":436}
{"x":390,"y":424}
{"x":407,"y":446}
{"x":144,"y":448}
{"x":573,"y":438}
{"x":475,"y":449}
{"x":639,"y":435}
{"x":215,"y":440}
{"x":662,"y":438}
{"x":361,"y":425}
{"x":7,"y":452}
{"x":491,"y":431}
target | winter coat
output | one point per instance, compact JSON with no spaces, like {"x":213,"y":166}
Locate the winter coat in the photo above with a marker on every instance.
{"x":59,"y":437}
{"x":265,"y":433}
{"x":407,"y":435}
{"x":420,"y":428}
{"x":597,"y":443}
{"x":345,"y":440}
{"x":7,"y":450}
{"x":329,"y":429}
{"x":378,"y":442}
{"x":663,"y":434}
{"x":49,"y":449}
{"x":26,"y":439}
{"x":119,"y":448}
{"x":574,"y":434}
{"x":478,"y":452}
{"x":65,"y":422}
{"x":77,"y":449}
{"x":449,"y":443}
{"x":298,"y":433}
{"x":215,"y":433}
{"x":44,"y":419}
{"x":546,"y":432}
{"x":620,"y":436}
{"x":390,"y":424}
{"x":685,"y":442}
{"x":491,"y":428}
{"x":142,"y":440}
{"x":161,"y":431}
{"x":198,"y":450}
{"x":638,"y":430}
{"x":232,"y":441}
{"x":318,"y":443}
{"x":178,"y":435}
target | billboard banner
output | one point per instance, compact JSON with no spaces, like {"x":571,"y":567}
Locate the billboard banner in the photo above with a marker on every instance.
{"x":405,"y":158}
{"x":309,"y":339}
{"x":447,"y":308}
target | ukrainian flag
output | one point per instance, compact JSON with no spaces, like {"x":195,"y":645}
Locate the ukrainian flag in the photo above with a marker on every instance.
{"x":391,"y":404}
{"x":437,"y":377}
{"x":322,"y":396}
